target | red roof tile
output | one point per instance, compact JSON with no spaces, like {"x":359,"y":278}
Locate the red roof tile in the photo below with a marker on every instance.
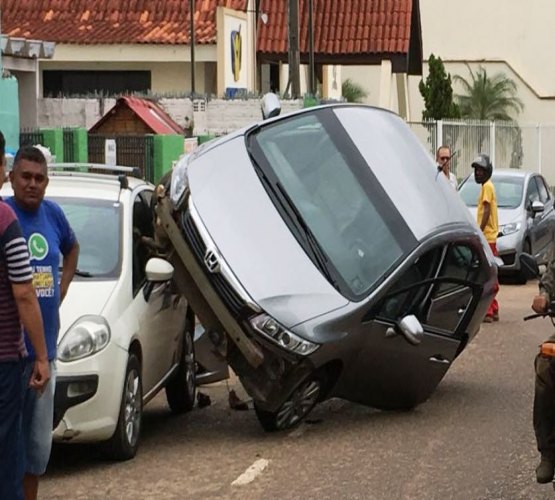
{"x":152,"y":115}
{"x":340,"y":26}
{"x":112,"y":21}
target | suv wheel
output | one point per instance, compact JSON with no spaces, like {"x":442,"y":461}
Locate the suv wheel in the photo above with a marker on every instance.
{"x":297,"y":406}
{"x":124,"y":443}
{"x":181,"y":389}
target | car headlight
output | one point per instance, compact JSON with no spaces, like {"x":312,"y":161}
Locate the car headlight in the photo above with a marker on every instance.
{"x":511,"y":228}
{"x":277,"y":333}
{"x":180,"y":180}
{"x":88,"y":335}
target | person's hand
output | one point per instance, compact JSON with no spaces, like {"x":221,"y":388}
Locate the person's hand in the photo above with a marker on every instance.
{"x":63,"y":293}
{"x":40,"y":375}
{"x":539,"y":303}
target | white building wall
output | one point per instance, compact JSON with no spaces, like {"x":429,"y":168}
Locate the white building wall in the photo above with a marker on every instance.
{"x":217,"y":116}
{"x":509,"y":36}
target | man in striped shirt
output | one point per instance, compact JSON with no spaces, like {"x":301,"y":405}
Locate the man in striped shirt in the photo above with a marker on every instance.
{"x":18,"y":305}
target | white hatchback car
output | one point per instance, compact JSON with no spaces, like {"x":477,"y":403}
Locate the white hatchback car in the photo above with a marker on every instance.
{"x":126,"y":332}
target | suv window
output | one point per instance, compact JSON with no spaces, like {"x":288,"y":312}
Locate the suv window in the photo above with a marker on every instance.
{"x":532,"y":193}
{"x":143,"y":232}
{"x":544,"y":193}
{"x":438,"y":298}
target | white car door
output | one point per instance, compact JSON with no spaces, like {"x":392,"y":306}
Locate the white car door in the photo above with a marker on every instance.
{"x":160,"y":310}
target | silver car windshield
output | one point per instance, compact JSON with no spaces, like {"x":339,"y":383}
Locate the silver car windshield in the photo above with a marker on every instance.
{"x":96,"y":224}
{"x":334,"y":199}
{"x":508,"y":190}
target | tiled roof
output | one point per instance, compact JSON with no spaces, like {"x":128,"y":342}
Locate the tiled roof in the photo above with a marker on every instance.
{"x":112,"y":21}
{"x":152,"y":115}
{"x":340,"y":26}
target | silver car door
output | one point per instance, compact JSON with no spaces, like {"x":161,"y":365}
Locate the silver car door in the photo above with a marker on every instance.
{"x":387,"y":371}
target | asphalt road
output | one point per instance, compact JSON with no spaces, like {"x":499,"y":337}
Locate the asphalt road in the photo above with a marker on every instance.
{"x":472,"y":440}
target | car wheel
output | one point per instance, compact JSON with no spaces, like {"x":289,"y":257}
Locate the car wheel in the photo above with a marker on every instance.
{"x":297,"y":406}
{"x":124,"y":443}
{"x":526,"y":248}
{"x":181,"y":389}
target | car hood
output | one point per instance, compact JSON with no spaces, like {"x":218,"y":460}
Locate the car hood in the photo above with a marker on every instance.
{"x":253,"y":239}
{"x":83,"y":297}
{"x":504,"y":215}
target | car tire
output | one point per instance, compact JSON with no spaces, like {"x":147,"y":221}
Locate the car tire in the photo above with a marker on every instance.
{"x":124,"y":443}
{"x":297,"y":406}
{"x":521,"y":278}
{"x":181,"y":389}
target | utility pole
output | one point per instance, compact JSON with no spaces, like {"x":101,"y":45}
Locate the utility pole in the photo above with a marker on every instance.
{"x":294,"y":56}
{"x":192,"y":36}
{"x":312,"y":76}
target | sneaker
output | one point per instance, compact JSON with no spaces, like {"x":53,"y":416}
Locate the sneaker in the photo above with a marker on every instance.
{"x":496,"y":316}
{"x":488,"y":319}
{"x":545,"y":471}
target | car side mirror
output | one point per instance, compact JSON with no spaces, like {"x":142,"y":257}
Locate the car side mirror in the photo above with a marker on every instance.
{"x":537,"y":207}
{"x":158,"y":270}
{"x":411,"y":329}
{"x":528,"y":266}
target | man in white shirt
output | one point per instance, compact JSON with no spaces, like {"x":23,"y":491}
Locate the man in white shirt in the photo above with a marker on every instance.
{"x":443,"y":159}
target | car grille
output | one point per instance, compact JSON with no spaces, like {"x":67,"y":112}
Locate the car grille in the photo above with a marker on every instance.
{"x":225,"y":291}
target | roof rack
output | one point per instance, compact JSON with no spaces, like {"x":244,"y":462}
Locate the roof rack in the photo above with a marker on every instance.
{"x":92,"y":167}
{"x":100,"y":168}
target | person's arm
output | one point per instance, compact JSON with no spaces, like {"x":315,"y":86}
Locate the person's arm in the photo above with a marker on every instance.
{"x":29,"y":313}
{"x":547,"y":289}
{"x":485,"y":215}
{"x":21,"y":276}
{"x":69,"y":266}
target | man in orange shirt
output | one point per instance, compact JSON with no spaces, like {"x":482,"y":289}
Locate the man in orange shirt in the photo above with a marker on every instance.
{"x":487,"y":216}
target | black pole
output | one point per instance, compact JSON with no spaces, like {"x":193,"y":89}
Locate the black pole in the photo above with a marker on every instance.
{"x":192,"y":30}
{"x":312,"y":76}
{"x":294,"y":57}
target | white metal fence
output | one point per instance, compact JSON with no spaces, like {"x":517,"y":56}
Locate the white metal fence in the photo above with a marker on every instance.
{"x":509,"y":145}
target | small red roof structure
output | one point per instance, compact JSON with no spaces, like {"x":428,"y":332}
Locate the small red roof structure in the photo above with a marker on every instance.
{"x":113,"y":21}
{"x":133,"y":115}
{"x":347,"y":32}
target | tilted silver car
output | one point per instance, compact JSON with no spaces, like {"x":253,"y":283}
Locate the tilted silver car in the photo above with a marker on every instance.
{"x":525,"y":213}
{"x":333,"y":256}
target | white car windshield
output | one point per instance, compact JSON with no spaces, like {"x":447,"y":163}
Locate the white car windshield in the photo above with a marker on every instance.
{"x":96,"y":224}
{"x":508,"y":190}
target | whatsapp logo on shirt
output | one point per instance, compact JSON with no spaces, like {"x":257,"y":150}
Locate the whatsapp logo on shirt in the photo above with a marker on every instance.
{"x":38,"y":246}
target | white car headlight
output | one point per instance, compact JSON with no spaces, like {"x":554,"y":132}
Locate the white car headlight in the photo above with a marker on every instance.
{"x":270,"y":328}
{"x":180,"y":180}
{"x":88,"y":335}
{"x":511,"y":228}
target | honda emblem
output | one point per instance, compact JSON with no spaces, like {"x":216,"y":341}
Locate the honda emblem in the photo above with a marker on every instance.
{"x":211,"y":261}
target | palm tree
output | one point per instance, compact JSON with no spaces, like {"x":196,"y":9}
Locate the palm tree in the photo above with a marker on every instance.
{"x":488,"y":98}
{"x":352,"y":91}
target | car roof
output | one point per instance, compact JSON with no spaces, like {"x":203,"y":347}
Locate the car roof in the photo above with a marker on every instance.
{"x":512,"y":172}
{"x":86,"y":185}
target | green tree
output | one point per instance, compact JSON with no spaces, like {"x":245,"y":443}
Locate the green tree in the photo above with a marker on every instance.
{"x":352,"y":91}
{"x":486,"y":98}
{"x":438,"y":92}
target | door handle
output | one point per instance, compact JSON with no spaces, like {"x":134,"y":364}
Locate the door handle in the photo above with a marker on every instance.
{"x":461,"y":310}
{"x":440,"y":359}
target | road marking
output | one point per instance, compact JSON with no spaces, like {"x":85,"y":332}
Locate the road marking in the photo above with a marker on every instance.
{"x":251,"y":473}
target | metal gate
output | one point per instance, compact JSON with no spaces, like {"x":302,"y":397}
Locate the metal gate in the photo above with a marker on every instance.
{"x":131,"y":151}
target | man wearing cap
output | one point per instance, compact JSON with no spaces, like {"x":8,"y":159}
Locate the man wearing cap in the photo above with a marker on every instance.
{"x":487,"y":216}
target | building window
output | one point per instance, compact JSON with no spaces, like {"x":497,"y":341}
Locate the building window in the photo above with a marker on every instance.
{"x":76,"y":83}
